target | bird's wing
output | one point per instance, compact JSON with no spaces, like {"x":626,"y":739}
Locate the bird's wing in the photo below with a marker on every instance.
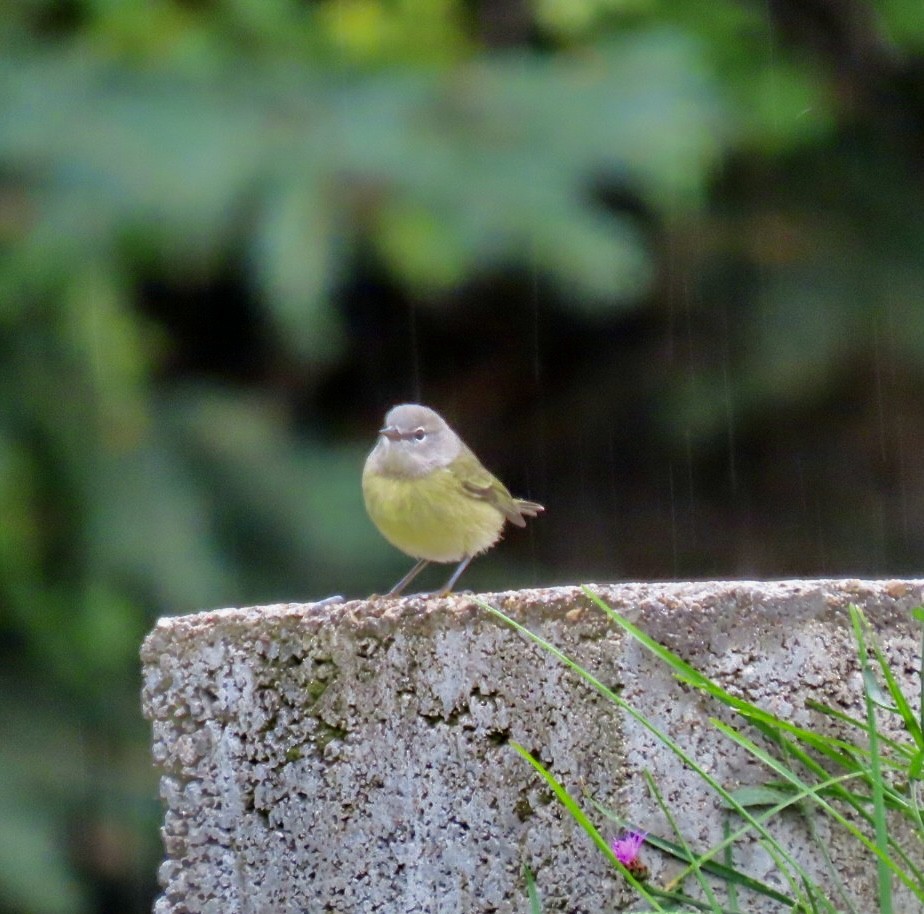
{"x":486,"y":487}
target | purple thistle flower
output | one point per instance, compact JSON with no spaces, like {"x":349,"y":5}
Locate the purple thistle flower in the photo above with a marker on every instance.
{"x":626,"y":850}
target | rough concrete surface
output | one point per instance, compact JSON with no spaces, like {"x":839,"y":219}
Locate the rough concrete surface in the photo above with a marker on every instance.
{"x":355,"y":757}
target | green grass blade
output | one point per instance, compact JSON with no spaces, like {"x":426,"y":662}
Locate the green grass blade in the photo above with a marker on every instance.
{"x":837,"y":750}
{"x":729,"y":862}
{"x":535,"y":904}
{"x":581,"y":818}
{"x":901,"y":703}
{"x":861,"y":725}
{"x":883,"y":876}
{"x":918,"y":614}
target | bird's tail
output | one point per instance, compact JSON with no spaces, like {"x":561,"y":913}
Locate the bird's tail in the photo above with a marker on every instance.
{"x":528,"y":508}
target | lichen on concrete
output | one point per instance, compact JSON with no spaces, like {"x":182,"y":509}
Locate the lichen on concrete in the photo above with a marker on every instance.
{"x":355,"y":757}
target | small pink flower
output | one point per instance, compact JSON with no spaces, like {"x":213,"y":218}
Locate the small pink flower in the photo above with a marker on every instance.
{"x":626,"y":849}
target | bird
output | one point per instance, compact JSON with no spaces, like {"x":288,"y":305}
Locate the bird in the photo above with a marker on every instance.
{"x":430,"y":496}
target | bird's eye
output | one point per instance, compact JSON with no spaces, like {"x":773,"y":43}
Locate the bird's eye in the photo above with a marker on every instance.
{"x":419,"y":434}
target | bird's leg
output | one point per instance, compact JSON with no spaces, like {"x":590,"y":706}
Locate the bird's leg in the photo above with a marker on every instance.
{"x":455,"y":576}
{"x":396,"y":590}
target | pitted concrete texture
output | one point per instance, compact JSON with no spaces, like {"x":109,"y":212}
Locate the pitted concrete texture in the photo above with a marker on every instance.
{"x":355,"y":758}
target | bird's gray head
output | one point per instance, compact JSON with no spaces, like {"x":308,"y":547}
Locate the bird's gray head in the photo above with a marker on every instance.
{"x":414,"y":441}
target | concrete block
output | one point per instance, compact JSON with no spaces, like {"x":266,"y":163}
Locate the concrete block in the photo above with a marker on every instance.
{"x":322,"y":759}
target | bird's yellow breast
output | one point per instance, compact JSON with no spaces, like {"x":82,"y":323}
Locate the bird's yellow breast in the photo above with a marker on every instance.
{"x":431,"y":517}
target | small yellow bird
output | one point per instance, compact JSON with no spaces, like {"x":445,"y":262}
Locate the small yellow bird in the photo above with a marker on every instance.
{"x":430,"y":497}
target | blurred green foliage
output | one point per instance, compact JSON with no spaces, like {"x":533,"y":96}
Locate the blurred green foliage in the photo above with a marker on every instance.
{"x":651,"y":247}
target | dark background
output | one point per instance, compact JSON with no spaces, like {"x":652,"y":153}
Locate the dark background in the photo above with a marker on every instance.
{"x":660,"y":263}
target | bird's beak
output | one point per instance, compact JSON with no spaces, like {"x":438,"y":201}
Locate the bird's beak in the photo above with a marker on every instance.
{"x":390,"y":432}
